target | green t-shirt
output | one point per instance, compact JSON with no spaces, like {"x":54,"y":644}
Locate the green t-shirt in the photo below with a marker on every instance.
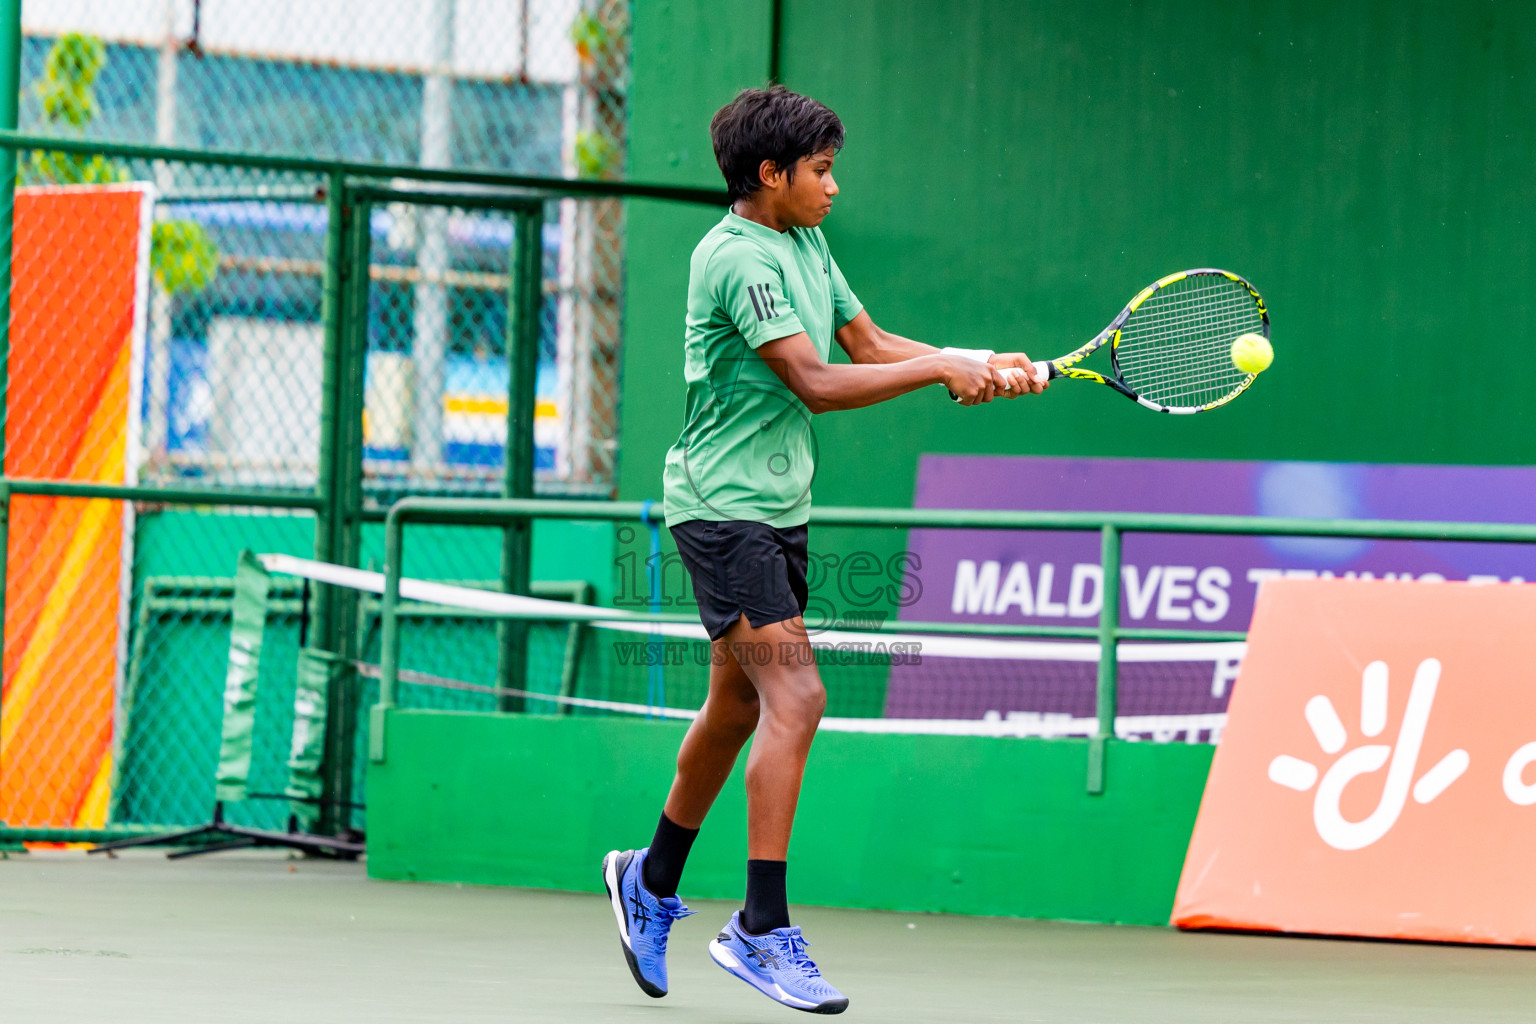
{"x":747,"y":451}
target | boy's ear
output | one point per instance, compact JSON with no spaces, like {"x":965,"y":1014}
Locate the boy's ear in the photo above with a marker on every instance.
{"x":770,"y":174}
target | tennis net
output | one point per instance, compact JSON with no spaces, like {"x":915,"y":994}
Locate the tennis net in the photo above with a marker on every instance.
{"x":585,"y":659}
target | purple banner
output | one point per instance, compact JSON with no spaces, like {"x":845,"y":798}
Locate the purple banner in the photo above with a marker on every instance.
{"x":1168,"y":580}
{"x":1194,"y":581}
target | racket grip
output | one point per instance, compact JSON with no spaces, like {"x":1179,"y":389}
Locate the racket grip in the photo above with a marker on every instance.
{"x":1010,"y":372}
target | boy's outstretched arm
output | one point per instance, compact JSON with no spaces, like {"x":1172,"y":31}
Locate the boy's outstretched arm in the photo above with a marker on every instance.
{"x":867,"y":343}
{"x":824,"y":387}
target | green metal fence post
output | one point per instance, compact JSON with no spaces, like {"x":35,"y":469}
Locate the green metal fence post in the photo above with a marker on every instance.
{"x":342,"y":635}
{"x":526,"y":298}
{"x":337,"y":213}
{"x":10,"y":93}
{"x":331,"y":315}
{"x":10,"y":97}
{"x":1109,"y":634}
{"x":340,"y":474}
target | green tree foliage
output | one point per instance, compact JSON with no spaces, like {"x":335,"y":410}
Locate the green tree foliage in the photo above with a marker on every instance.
{"x":592,"y":36}
{"x":67,"y":87}
{"x":597,"y":156}
{"x":182,"y":256}
{"x":185,"y":258}
{"x":599,"y":37}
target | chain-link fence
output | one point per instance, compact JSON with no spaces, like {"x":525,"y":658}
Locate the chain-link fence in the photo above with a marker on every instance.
{"x":116,"y":659}
{"x":210,"y":354}
{"x":257,"y":351}
{"x":534,"y":87}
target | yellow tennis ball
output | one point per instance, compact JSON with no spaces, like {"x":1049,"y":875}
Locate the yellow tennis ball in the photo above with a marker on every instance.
{"x":1252,"y":353}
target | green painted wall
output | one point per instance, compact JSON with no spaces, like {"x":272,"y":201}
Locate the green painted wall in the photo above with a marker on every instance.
{"x":931,"y":823}
{"x":1015,"y":171}
{"x":184,"y":542}
{"x":690,"y":56}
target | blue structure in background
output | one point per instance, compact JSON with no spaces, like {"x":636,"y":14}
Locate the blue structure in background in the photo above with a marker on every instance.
{"x":475,"y":367}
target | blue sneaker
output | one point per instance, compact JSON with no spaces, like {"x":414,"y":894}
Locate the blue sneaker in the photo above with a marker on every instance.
{"x":644,"y":919}
{"x":776,"y":965}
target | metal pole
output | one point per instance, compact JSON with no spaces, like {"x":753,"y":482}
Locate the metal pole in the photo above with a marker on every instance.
{"x":389,"y":642}
{"x":430,"y":322}
{"x":457,"y":177}
{"x":10,"y":97}
{"x":333,"y":405}
{"x":389,"y":636}
{"x":158,"y":402}
{"x":1109,"y":630}
{"x":340,"y":635}
{"x":337,"y":214}
{"x":10,"y":91}
{"x":486,"y":511}
{"x":522,"y":394}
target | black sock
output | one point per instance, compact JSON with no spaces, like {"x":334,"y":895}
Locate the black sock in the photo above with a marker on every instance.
{"x":663,"y":867}
{"x":767,"y":907}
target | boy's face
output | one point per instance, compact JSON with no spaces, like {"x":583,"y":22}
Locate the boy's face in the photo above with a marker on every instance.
{"x":806,"y":199}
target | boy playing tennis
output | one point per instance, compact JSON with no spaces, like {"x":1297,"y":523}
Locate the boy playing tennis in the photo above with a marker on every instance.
{"x":765,"y":300}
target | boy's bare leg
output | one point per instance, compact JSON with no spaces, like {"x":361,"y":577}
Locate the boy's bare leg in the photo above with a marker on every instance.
{"x":777,"y":659}
{"x":708,"y":753}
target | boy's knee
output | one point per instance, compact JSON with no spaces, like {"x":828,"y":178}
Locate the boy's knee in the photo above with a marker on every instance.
{"x":802,"y":699}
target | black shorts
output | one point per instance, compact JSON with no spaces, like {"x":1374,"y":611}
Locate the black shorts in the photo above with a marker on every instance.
{"x":743,"y":568}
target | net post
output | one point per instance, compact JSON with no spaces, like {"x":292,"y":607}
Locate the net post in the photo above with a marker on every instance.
{"x":575,"y":638}
{"x":389,"y":634}
{"x":525,"y":300}
{"x":1109,"y":628}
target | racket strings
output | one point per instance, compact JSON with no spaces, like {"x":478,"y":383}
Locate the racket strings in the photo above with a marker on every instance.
{"x":1195,"y":321}
{"x":1191,"y":309}
{"x":1189,"y":318}
{"x":1175,"y":349}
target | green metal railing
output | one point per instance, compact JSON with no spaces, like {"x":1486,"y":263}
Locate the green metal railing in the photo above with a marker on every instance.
{"x":349,"y":191}
{"x":1111,"y":527}
{"x":378,"y":172}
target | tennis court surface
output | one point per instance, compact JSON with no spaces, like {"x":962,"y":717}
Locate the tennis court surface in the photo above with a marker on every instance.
{"x":258,"y":937}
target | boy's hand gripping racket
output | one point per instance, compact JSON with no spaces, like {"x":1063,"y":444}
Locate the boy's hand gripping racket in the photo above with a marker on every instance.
{"x":1170,"y":349}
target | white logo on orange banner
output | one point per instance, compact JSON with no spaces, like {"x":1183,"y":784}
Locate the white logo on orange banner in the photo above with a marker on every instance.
{"x":1294,"y":773}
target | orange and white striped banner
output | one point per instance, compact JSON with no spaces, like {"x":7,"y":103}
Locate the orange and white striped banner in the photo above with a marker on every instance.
{"x":80,"y":270}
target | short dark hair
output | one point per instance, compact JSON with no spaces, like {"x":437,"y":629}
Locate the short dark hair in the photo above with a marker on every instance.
{"x":769,"y":124}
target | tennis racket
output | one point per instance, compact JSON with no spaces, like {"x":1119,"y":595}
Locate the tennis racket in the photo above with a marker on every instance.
{"x":1170,"y":349}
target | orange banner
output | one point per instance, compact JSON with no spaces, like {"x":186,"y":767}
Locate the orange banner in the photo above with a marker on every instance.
{"x":79,"y":264}
{"x":1377,"y":775}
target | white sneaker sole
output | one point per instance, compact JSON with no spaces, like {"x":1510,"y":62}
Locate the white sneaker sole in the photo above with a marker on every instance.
{"x":616,"y":901}
{"x":615,"y":897}
{"x":722,"y":955}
